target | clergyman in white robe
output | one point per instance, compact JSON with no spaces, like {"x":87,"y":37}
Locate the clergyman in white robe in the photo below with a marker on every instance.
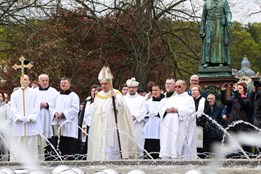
{"x":136,"y":103}
{"x":111,"y":131}
{"x":151,"y":110}
{"x":177,"y":138}
{"x":103,"y":142}
{"x":65,"y":114}
{"x":26,"y":128}
{"x":47,"y":95}
{"x":67,"y":103}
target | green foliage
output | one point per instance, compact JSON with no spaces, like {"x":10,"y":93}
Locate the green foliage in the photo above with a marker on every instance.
{"x":244,"y":44}
{"x":255,"y":31}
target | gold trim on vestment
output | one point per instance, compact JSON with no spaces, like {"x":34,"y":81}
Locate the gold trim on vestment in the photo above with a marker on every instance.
{"x":106,"y":96}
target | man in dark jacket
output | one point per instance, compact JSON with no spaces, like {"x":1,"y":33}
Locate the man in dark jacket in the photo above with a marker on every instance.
{"x":215,"y":134}
{"x":255,"y":99}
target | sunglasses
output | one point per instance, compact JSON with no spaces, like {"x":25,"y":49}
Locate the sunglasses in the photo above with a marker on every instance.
{"x":177,"y":86}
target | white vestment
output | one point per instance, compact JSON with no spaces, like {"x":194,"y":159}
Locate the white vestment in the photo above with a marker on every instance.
{"x":199,"y":129}
{"x":5,"y":113}
{"x":177,"y":138}
{"x":88,"y":114}
{"x":47,"y":96}
{"x":136,"y":104}
{"x":103,"y":142}
{"x":152,"y":126}
{"x":5,"y":128}
{"x":26,"y":133}
{"x":45,"y":116}
{"x":69,"y":105}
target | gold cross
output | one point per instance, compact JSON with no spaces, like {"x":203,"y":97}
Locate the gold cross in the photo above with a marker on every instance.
{"x":22,"y":66}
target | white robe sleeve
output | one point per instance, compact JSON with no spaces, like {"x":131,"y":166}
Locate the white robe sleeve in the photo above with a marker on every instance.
{"x":162,"y":110}
{"x":88,"y":114}
{"x":51,"y":102}
{"x":36,"y":108}
{"x":16,"y":114}
{"x":141,"y":113}
{"x":53,"y":109}
{"x":71,"y":112}
{"x":9,"y":117}
{"x":187,"y":110}
{"x":145,"y":110}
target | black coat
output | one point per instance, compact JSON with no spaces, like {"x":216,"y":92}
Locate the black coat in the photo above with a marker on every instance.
{"x":213,"y":130}
{"x":256,"y":103}
{"x":239,"y":110}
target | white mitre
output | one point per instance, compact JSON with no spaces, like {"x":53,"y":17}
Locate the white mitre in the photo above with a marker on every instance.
{"x":132,"y":82}
{"x":105,"y":75}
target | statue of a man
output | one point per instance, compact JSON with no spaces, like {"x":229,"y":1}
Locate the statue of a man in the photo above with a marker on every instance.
{"x":214,"y":30}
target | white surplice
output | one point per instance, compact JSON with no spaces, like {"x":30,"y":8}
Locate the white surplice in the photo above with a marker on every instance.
{"x":32,"y":108}
{"x":27,"y":134}
{"x":69,"y":105}
{"x":152,"y":126}
{"x":45,"y":116}
{"x":136,"y":104}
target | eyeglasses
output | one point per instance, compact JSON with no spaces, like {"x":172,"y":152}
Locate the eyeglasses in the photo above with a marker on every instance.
{"x":177,"y":86}
{"x":131,"y":87}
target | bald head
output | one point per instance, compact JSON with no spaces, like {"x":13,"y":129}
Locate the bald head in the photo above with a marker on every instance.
{"x":43,"y":76}
{"x":43,"y":80}
{"x":180,"y":86}
{"x":194,"y":80}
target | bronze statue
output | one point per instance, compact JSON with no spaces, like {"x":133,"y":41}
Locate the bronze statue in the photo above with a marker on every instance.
{"x":215,"y":32}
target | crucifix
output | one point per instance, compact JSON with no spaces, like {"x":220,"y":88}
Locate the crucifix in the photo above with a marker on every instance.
{"x":23,"y":66}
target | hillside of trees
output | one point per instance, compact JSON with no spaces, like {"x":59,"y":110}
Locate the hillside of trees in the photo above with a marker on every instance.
{"x":133,"y":40}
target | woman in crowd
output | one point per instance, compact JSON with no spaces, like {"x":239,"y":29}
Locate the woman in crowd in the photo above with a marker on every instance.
{"x":240,"y":110}
{"x":202,"y":107}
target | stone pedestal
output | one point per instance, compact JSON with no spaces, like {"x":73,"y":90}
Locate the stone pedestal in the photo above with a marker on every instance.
{"x":215,"y":71}
{"x":215,"y":76}
{"x":212,"y":78}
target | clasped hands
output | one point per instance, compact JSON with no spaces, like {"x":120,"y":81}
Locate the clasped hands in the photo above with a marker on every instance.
{"x":171,"y":110}
{"x":43,"y":105}
{"x":25,"y":120}
{"x":58,"y":115}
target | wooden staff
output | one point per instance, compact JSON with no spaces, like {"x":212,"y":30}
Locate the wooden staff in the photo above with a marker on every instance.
{"x":115,"y":115}
{"x":116,"y":122}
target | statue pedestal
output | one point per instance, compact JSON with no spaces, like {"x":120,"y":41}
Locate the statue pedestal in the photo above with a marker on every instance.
{"x":212,"y":78}
{"x":215,"y":71}
{"x":215,"y":76}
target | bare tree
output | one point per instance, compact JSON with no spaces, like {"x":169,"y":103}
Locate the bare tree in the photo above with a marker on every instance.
{"x":142,"y":38}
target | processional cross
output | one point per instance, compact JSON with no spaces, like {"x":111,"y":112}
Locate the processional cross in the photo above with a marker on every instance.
{"x":23,"y":66}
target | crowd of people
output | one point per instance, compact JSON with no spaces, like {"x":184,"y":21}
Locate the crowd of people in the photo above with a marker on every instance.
{"x":179,"y":121}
